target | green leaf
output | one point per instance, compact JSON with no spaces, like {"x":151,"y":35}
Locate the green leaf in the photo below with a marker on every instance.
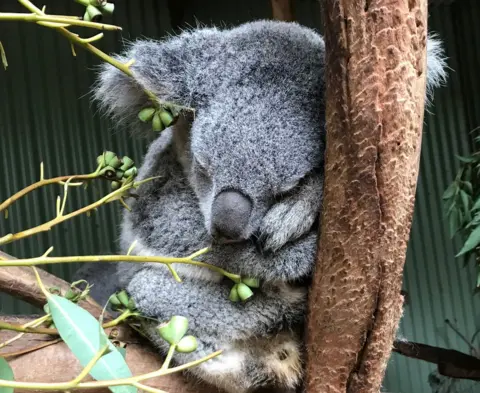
{"x":80,"y":331}
{"x":450,"y":191}
{"x":476,"y":205}
{"x":466,"y":206}
{"x":472,"y":241}
{"x":123,"y":351}
{"x":466,"y":160}
{"x":468,"y":187}
{"x":478,"y":279}
{"x":6,"y":374}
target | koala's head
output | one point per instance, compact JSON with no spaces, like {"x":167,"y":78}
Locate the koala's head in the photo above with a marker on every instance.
{"x":257,"y":130}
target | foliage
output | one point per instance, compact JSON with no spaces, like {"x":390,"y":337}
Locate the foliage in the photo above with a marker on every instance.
{"x":462,"y":207}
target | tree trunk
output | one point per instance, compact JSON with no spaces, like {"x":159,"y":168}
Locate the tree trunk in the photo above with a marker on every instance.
{"x":375,"y":76}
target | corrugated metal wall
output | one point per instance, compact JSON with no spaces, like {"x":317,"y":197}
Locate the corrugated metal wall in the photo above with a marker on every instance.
{"x":45,"y":114}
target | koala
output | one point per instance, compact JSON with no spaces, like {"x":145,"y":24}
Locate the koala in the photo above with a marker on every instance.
{"x":242,"y":175}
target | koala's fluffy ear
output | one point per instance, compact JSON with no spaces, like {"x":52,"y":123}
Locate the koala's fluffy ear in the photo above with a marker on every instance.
{"x":436,"y":65}
{"x":168,"y":68}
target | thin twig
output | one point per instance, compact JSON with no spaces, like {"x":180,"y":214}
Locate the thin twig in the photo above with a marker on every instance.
{"x":108,"y":383}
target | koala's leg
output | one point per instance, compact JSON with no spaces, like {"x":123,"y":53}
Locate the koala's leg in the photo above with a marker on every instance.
{"x":293,"y":216}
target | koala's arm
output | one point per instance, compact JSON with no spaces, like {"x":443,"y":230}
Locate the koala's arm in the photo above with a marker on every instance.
{"x":174,"y":70}
{"x":212,"y":316}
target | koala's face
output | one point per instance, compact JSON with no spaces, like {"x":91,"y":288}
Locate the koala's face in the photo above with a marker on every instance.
{"x":258,"y":127}
{"x":248,"y":152}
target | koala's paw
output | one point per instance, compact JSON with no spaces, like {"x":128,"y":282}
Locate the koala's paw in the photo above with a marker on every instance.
{"x":293,"y":216}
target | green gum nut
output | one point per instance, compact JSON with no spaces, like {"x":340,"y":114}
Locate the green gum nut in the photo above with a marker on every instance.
{"x":234,"y":297}
{"x":244,"y":292}
{"x":114,"y":301}
{"x":86,"y":17}
{"x":70,"y":294}
{"x":46,"y":308}
{"x":123,"y":297}
{"x":166,"y":117}
{"x":251,"y":282}
{"x":131,"y":305}
{"x":105,"y":158}
{"x":187,"y":344}
{"x":131,"y":172}
{"x":173,"y":330}
{"x":108,"y":8}
{"x":115,"y":185}
{"x":115,"y":162}
{"x":94,"y":14}
{"x":157,"y":124}
{"x":146,"y":114}
{"x":119,"y":174}
{"x":127,"y":163}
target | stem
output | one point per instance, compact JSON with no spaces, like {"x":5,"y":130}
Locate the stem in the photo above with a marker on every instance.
{"x":89,"y":366}
{"x":35,"y":18}
{"x":126,"y":314}
{"x":44,"y":182}
{"x":125,"y":68}
{"x":61,"y":218}
{"x":31,"y":327}
{"x":27,"y":329}
{"x":168,"y":359}
{"x":100,"y":384}
{"x":34,"y":323}
{"x":117,"y":258}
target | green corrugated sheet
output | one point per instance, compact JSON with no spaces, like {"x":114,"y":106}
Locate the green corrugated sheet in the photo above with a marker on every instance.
{"x":45,"y":115}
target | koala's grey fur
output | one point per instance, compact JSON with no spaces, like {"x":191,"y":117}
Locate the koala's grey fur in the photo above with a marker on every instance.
{"x":257,"y":90}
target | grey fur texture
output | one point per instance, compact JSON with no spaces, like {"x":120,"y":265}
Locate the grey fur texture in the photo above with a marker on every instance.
{"x":258,"y":129}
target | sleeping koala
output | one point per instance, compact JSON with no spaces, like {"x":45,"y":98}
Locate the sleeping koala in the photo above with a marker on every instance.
{"x":244,"y":176}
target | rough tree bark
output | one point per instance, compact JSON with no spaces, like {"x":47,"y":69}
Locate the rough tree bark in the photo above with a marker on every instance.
{"x":375,"y":75}
{"x":283,"y":10}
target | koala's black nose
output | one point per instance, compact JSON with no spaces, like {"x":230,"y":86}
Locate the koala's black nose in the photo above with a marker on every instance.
{"x":230,"y":214}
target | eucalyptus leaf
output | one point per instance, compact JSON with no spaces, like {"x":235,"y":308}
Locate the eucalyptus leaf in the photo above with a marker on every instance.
{"x":476,"y":205}
{"x":6,"y":374}
{"x":123,"y":351}
{"x":466,"y":160}
{"x":472,"y":242}
{"x":450,"y":191}
{"x":468,"y":186}
{"x":81,"y":332}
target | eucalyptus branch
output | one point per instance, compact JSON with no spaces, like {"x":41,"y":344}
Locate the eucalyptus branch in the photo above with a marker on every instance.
{"x":74,"y":385}
{"x":45,"y":182}
{"x":35,"y":323}
{"x":54,"y":21}
{"x":117,"y":194}
{"x":33,"y":328}
{"x":60,"y":24}
{"x":46,"y":260}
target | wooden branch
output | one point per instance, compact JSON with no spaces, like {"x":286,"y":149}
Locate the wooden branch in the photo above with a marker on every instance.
{"x":56,"y":363}
{"x":283,"y":10}
{"x":375,"y":77}
{"x":451,"y":363}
